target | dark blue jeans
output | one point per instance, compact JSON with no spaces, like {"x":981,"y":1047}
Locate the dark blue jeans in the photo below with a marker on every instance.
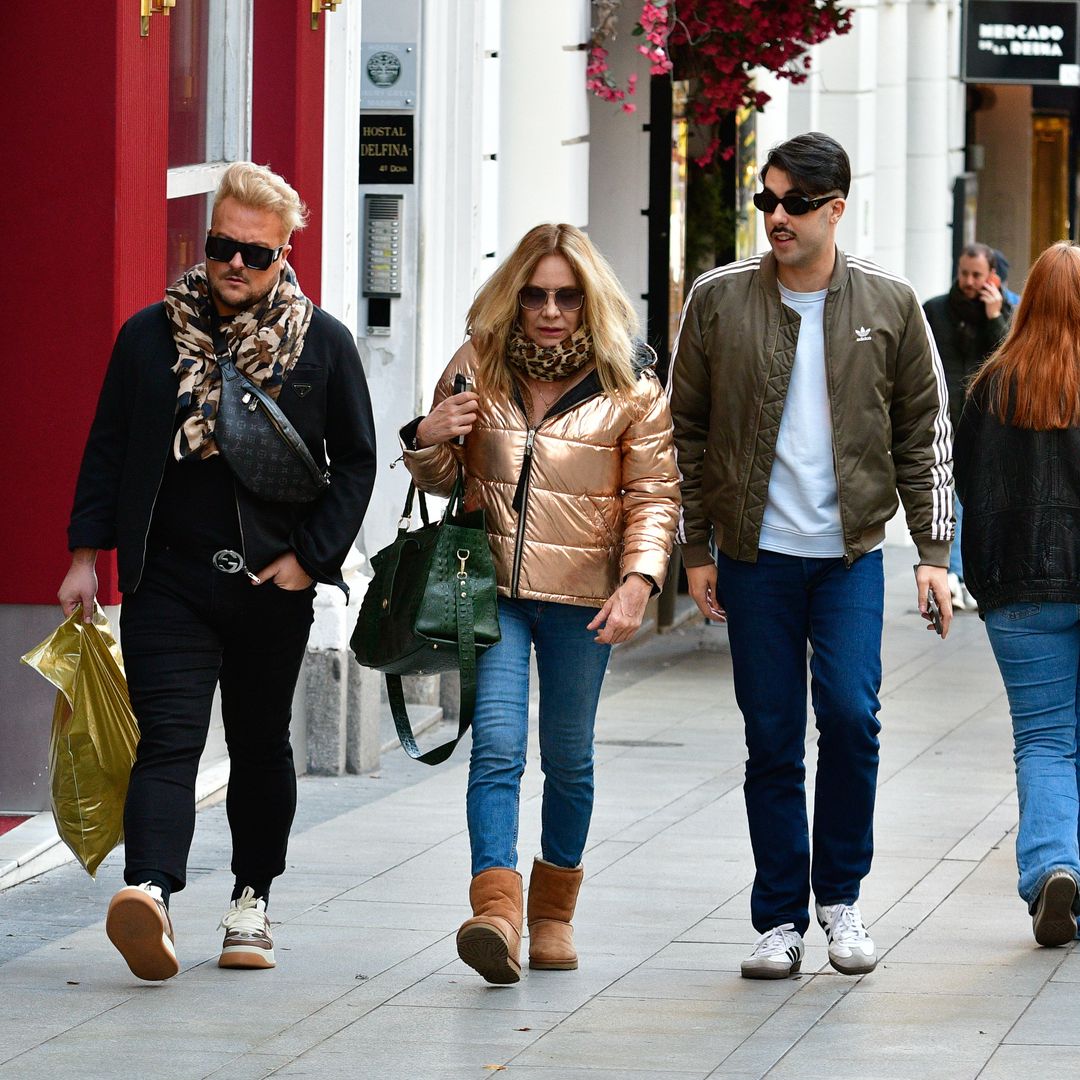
{"x":775,"y":607}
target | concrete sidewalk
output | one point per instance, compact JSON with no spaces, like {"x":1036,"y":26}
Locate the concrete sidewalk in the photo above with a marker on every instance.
{"x":368,"y":983}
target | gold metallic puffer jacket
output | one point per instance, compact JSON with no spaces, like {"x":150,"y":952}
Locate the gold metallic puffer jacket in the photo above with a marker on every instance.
{"x":598,"y":494}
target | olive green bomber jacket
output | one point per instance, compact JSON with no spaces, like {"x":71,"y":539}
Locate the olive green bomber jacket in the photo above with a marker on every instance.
{"x":730,"y":370}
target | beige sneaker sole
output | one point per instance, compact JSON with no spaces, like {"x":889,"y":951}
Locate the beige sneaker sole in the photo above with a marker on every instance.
{"x":135,"y":927}
{"x":484,"y":949}
{"x":239,"y":956}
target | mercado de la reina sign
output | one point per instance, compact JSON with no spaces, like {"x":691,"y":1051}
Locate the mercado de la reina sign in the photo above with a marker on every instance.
{"x":1021,"y":41}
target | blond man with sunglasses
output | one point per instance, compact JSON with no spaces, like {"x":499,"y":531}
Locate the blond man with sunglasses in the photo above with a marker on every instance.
{"x":806,"y":392}
{"x":218,"y":578}
{"x":565,"y":440}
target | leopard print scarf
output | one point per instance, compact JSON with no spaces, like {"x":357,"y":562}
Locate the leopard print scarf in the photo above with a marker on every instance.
{"x":265,"y":341}
{"x":549,"y":362}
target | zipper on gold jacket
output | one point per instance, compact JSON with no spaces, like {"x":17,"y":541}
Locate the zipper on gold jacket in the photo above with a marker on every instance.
{"x":521,"y":493}
{"x":521,"y":499}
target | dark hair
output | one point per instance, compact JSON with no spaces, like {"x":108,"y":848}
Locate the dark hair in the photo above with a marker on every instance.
{"x":1001,"y":264}
{"x":816,"y":163}
{"x":976,"y":251}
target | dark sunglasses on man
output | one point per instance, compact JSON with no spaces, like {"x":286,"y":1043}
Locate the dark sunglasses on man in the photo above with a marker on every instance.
{"x":255,"y":256}
{"x":533,"y":298}
{"x":795,"y":205}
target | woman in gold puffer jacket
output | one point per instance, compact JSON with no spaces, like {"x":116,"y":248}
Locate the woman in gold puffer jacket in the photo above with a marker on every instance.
{"x":567,"y":448}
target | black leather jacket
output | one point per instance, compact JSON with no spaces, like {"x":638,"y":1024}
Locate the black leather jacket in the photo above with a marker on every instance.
{"x":1020,"y":490}
{"x":131,"y":438}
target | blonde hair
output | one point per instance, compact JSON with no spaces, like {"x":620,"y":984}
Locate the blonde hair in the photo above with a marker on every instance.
{"x":260,"y":188}
{"x":1033,"y":378}
{"x":607,"y":313}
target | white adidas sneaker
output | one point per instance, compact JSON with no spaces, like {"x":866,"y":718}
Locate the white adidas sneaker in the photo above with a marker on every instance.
{"x":777,"y":954}
{"x":851,"y":950}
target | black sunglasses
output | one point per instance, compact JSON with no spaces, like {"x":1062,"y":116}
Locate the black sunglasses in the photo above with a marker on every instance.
{"x":795,"y":205}
{"x":533,"y":298}
{"x":255,"y":256}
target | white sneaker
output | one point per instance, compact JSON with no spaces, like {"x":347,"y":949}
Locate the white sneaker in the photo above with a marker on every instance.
{"x":970,"y":603}
{"x":851,"y":950}
{"x":958,"y":593}
{"x":777,"y":954}
{"x":248,"y":942}
{"x":138,"y":924}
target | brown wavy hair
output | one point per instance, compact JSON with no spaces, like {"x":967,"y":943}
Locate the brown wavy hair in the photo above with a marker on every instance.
{"x":607,"y":314}
{"x":1032,"y":380}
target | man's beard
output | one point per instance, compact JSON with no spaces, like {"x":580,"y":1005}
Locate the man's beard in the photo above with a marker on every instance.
{"x":253,"y":301}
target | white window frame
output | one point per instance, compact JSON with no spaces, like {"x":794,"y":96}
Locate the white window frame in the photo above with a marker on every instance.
{"x":228,"y":93}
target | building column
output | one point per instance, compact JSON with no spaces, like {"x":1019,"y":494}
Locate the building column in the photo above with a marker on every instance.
{"x":544,"y":124}
{"x":889,"y":207}
{"x":929,"y":198}
{"x":846,"y":111}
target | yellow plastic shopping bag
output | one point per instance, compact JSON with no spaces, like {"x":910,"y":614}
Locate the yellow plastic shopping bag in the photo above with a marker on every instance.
{"x":94,"y":734}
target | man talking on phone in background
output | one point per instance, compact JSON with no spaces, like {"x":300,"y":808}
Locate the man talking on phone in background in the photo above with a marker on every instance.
{"x":968,"y":323}
{"x":805,"y":392}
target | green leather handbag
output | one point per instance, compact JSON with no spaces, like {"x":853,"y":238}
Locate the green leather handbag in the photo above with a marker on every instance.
{"x":432,"y":606}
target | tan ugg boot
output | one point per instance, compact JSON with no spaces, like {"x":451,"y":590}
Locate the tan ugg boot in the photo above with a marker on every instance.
{"x":553,"y":893}
{"x":490,"y":942}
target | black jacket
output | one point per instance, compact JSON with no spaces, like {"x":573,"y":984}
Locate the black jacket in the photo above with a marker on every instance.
{"x":965,"y":337}
{"x":325,"y":397}
{"x":1020,"y":490}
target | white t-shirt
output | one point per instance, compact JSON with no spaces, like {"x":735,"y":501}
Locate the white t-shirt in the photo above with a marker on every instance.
{"x":802,"y":515}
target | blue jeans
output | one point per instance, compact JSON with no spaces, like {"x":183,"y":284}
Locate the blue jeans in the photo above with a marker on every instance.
{"x":571,"y":667}
{"x":956,"y":561}
{"x":1037,"y":647}
{"x":774,"y":608}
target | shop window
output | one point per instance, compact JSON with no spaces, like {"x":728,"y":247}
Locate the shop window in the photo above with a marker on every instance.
{"x":1049,"y":182}
{"x":209,"y":115}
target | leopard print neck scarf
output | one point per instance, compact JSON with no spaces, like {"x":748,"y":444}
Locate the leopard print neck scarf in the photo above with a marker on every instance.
{"x":547,"y":363}
{"x":265,"y":342}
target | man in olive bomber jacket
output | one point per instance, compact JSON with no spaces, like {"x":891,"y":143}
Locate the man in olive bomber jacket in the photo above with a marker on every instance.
{"x":806,"y":392}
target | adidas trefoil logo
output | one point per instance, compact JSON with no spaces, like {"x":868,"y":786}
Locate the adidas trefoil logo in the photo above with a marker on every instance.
{"x":862,"y":334}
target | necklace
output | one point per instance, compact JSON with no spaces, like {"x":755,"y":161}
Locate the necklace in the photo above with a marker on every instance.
{"x":534,"y":386}
{"x":548,"y":401}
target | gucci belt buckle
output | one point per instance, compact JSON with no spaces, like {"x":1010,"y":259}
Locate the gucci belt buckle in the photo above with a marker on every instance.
{"x":232,"y":562}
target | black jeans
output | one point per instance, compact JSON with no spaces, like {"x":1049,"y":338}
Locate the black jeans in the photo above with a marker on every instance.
{"x":186,"y":628}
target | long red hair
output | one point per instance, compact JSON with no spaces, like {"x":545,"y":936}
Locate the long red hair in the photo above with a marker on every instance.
{"x":1032,"y":379}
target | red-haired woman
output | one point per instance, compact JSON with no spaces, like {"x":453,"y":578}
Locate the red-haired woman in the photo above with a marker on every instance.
{"x":1018,"y":475}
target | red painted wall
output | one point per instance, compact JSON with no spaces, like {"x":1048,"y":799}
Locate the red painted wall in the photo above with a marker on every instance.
{"x":84,"y":134}
{"x":287,"y":120}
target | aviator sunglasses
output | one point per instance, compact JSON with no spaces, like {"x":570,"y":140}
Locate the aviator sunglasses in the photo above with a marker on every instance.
{"x":795,"y":205}
{"x":255,"y":256}
{"x":533,"y":298}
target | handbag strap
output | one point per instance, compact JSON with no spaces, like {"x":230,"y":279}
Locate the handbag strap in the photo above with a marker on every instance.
{"x":279,"y":421}
{"x":406,"y":513}
{"x":466,"y":701}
